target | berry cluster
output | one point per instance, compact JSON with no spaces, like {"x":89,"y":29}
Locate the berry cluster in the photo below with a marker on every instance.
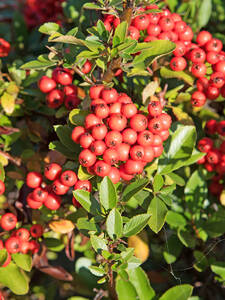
{"x":59,"y":89}
{"x":38,"y":12}
{"x":197,"y":57}
{"x":214,"y":160}
{"x":21,"y":240}
{"x":117,"y":139}
{"x":50,"y":195}
{"x":4,"y":48}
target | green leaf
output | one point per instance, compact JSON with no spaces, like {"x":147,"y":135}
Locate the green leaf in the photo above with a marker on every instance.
{"x":24,"y":261}
{"x":58,"y":146}
{"x":158,"y":210}
{"x":49,"y":28}
{"x":141,"y":283}
{"x":178,"y":149}
{"x":114,"y":224}
{"x":196,"y":155}
{"x":218,"y":267}
{"x":186,"y":238}
{"x":182,"y":75}
{"x":176,"y":178}
{"x":98,"y":243}
{"x":108,"y":195}
{"x":91,"y":6}
{"x":204,"y":13}
{"x":125,"y":288}
{"x":136,"y":224}
{"x":87,"y":201}
{"x":172,"y":249}
{"x":120,"y":33}
{"x":96,"y":271}
{"x":13,"y":278}
{"x":8,"y":102}
{"x":77,"y":116}
{"x":85,"y":225}
{"x":179,"y":292}
{"x":201,"y":261}
{"x":158,"y":183}
{"x":83,"y":173}
{"x":3,"y":256}
{"x":64,"y":134}
{"x":54,"y":244}
{"x":2,"y":173}
{"x":38,"y":65}
{"x":175,"y":219}
{"x":133,"y":188}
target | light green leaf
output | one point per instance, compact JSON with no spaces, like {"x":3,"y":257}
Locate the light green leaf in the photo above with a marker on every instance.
{"x":204,"y":13}
{"x":175,"y":219}
{"x":182,"y":75}
{"x":8,"y":102}
{"x":77,"y":116}
{"x":133,"y":188}
{"x":158,"y":210}
{"x":49,"y":28}
{"x":98,"y":243}
{"x":158,"y":183}
{"x":179,"y":292}
{"x":125,"y":288}
{"x":136,"y":224}
{"x":114,"y":224}
{"x":24,"y":261}
{"x":87,"y":201}
{"x":218,"y":267}
{"x":38,"y":65}
{"x":120,"y":33}
{"x":3,"y":256}
{"x":83,"y":173}
{"x":108,"y":195}
{"x":2,"y":173}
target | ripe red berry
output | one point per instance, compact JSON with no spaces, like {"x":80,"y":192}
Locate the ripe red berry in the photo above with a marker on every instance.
{"x":133,"y":33}
{"x":71,"y":102}
{"x":68,"y":178}
{"x":87,"y":158}
{"x":53,"y":201}
{"x":24,"y":247}
{"x":70,"y":89}
{"x":83,"y":185}
{"x":197,"y":55}
{"x":129,"y":110}
{"x":158,"y":151}
{"x":98,"y":147}
{"x":148,"y":154}
{"x":178,"y":63}
{"x":213,"y":156}
{"x":124,"y":175}
{"x":36,"y":230}
{"x":141,"y":22}
{"x":52,"y":171}
{"x":101,"y":110}
{"x":155,"y":125}
{"x":12,"y":245}
{"x":124,"y":99}
{"x":202,"y":84}
{"x":212,"y":92}
{"x":198,"y":70}
{"x":117,"y":122}
{"x":62,"y":76}
{"x":34,"y":246}
{"x":203,"y":37}
{"x":111,"y":156}
{"x":123,"y":151}
{"x":221,"y":128}
{"x":198,"y":99}
{"x":217,"y":79}
{"x":166,"y":120}
{"x":176,"y":17}
{"x":32,"y":203}
{"x":40,"y":194}
{"x":145,"y":138}
{"x":115,"y":108}
{"x":2,"y":187}
{"x":155,"y":108}
{"x":34,"y":179}
{"x":180,"y":49}
{"x":139,"y":122}
{"x":186,"y":35}
{"x":85,"y":140}
{"x":91,"y":120}
{"x":157,"y":140}
{"x":212,"y":57}
{"x":214,"y":45}
{"x":153,"y":30}
{"x":166,"y":23}
{"x":137,"y":152}
{"x":59,"y":188}
{"x":101,"y":168}
{"x":76,"y":133}
{"x":133,"y":167}
{"x":129,"y":136}
{"x":99,"y":132}
{"x":113,"y":138}
{"x":95,"y":91}
{"x":109,"y":95}
{"x":23,"y":234}
{"x":220,"y":67}
{"x":114,"y":175}
{"x":55,"y":98}
{"x":205,"y":144}
{"x":180,"y":26}
{"x":154,"y":18}
{"x":86,"y":68}
{"x":211,"y":126}
{"x":8,"y":221}
{"x":46,"y":84}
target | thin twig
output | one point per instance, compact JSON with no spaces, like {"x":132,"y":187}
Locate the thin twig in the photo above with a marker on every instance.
{"x":86,"y":78}
{"x":15,"y":160}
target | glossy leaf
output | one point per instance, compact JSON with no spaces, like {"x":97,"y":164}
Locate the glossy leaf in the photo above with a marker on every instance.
{"x":114,"y":224}
{"x":108,"y":195}
{"x":158,"y":210}
{"x":24,"y":261}
{"x":158,"y":183}
{"x":87,"y":201}
{"x":179,"y":292}
{"x":204,"y":13}
{"x":136,"y":224}
{"x":133,"y":188}
{"x":98,"y":243}
{"x":125,"y":288}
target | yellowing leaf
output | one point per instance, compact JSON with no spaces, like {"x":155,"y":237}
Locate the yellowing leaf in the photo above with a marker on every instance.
{"x":62,"y":226}
{"x":139,"y":243}
{"x":149,"y":91}
{"x":182,"y":116}
{"x":8,"y":102}
{"x":3,"y":160}
{"x":12,"y":89}
{"x":222,"y":198}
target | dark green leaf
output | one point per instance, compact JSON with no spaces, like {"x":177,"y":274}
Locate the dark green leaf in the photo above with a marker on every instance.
{"x":87,"y":201}
{"x":64,"y":134}
{"x":186,"y":238}
{"x":108,"y":195}
{"x":201,"y":261}
{"x":134,"y":188}
{"x":77,"y":116}
{"x":136,"y":224}
{"x":172,"y":249}
{"x":158,"y":210}
{"x":58,"y":146}
{"x":114,"y":224}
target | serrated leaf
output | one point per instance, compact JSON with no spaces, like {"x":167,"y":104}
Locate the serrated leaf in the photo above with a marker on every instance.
{"x":182,"y":75}
{"x":24,"y":261}
{"x":133,"y":188}
{"x":179,"y":292}
{"x":87,"y":201}
{"x":158,"y":210}
{"x":136,"y":224}
{"x":108,"y":195}
{"x":114,"y":224}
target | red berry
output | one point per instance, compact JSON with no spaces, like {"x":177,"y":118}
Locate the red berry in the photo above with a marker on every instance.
{"x":91,"y":120}
{"x":40,"y":194}
{"x":123,"y":151}
{"x":76,"y":203}
{"x":157,"y":140}
{"x":180,"y":26}
{"x":8,"y":221}
{"x":129,"y":136}
{"x":23,"y":234}
{"x":85,"y":140}
{"x":52,"y":171}
{"x":133,"y":167}
{"x":12,"y":245}
{"x":70,"y":90}
{"x":55,"y":98}
{"x":205,"y":144}
{"x":220,"y":67}
{"x":114,"y":175}
{"x":86,"y":68}
{"x":87,"y":158}
{"x":36,"y":230}
{"x":178,"y":63}
{"x":211,"y":126}
{"x":141,"y":22}
{"x":24,"y":246}
{"x":198,"y":99}
{"x":62,"y":76}
{"x":148,"y":154}
{"x":180,"y":49}
{"x":212,"y":92}
{"x":202,"y":84}
{"x":34,"y":179}
{"x":117,"y":122}
{"x":99,"y":131}
{"x":102,"y":111}
{"x":32,"y":203}
{"x":113,"y":138}
{"x":217,"y":80}
{"x":198,"y":70}
{"x":95,"y":91}
{"x":214,"y":45}
{"x":137,"y":152}
{"x":203,"y":37}
{"x":59,"y":188}
{"x":124,"y":99}
{"x":101,"y":168}
{"x":115,"y":108}
{"x":76,"y":133}
{"x":221,"y":128}
{"x":145,"y":138}
{"x":176,"y":17}
{"x":133,"y":33}
{"x":34,"y":246}
{"x":68,"y":178}
{"x":139,"y":122}
{"x":213,"y":156}
{"x":153,"y":30}
{"x":186,"y":35}
{"x":158,"y":151}
{"x":2,"y":187}
{"x":83,"y":185}
{"x":154,"y":18}
{"x":166,"y":23}
{"x":53,"y":201}
{"x":71,"y":102}
{"x":212,"y":57}
{"x":109,"y":95}
{"x":164,"y":134}
{"x":155,"y":125}
{"x":197,"y":55}
{"x":46,"y":84}
{"x":98,"y":147}
{"x":155,"y":108}
{"x":111,"y":156}
{"x":166,"y":120}
{"x":129,"y":110}
{"x":124,"y":175}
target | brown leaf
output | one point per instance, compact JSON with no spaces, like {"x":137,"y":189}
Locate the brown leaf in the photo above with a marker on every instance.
{"x":37,"y":129}
{"x":70,"y":246}
{"x":55,"y":156}
{"x":8,"y":130}
{"x":61,"y":226}
{"x":15,"y":175}
{"x":34,"y":165}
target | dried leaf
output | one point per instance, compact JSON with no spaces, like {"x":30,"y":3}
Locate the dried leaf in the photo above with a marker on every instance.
{"x":62,"y":226}
{"x":149,"y":91}
{"x":8,"y":102}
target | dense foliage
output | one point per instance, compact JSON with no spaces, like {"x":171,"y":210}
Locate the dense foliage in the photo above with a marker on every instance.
{"x":112,"y":150}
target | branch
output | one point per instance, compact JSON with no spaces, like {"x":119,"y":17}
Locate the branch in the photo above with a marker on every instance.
{"x":15,"y":160}
{"x":86,"y":78}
